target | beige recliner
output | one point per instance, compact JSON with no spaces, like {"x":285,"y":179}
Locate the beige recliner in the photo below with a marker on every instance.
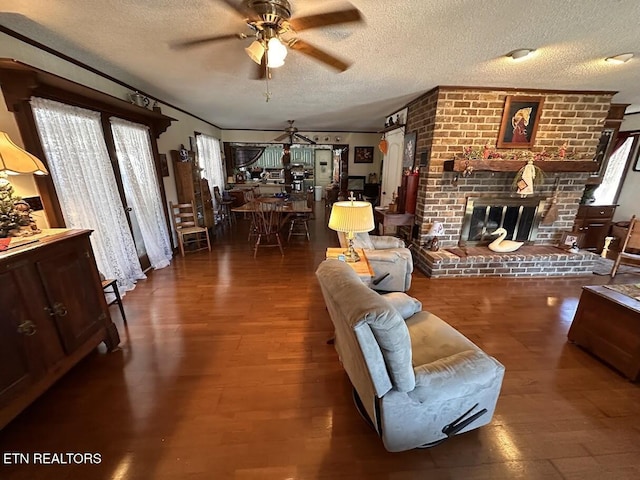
{"x":387,"y":256}
{"x":417,"y":380}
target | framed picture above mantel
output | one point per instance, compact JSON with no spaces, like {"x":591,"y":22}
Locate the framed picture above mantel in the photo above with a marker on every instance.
{"x":520,"y":120}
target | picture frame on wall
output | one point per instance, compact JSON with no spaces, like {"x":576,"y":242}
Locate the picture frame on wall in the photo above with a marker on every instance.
{"x":569,"y":238}
{"x":520,"y":120}
{"x":409,"y":150}
{"x":363,"y":155}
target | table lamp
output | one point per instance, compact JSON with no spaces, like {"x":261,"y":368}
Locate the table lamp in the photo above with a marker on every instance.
{"x":15,"y":161}
{"x":351,"y":217}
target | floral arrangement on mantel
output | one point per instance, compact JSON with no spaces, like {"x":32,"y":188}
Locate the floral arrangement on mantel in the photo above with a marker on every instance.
{"x":487,"y":153}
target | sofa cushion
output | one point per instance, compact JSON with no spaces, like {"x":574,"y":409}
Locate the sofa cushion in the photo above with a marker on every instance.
{"x":403,"y":303}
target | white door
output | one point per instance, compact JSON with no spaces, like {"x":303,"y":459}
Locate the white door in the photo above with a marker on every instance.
{"x":392,"y":166}
{"x":324,"y":168}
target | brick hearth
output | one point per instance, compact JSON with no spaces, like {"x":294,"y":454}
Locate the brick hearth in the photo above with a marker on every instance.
{"x":528,"y":261}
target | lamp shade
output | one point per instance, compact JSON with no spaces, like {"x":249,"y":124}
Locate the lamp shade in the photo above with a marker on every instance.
{"x":255,"y":51}
{"x":14,"y":160}
{"x":276,"y":53}
{"x":351,"y":217}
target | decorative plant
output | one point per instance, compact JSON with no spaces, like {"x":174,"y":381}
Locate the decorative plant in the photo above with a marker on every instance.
{"x":9,"y":217}
{"x":487,"y":153}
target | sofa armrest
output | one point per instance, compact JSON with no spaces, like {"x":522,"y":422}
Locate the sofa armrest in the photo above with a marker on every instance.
{"x":389,"y":255}
{"x":463,"y":373}
{"x":386,"y":241}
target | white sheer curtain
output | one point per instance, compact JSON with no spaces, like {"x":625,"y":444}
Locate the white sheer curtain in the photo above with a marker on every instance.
{"x":210,"y":160}
{"x":133,"y":148}
{"x":80,"y":167}
{"x":605,"y":194}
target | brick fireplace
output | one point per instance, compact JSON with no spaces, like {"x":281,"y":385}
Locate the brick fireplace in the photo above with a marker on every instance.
{"x":449,"y":119}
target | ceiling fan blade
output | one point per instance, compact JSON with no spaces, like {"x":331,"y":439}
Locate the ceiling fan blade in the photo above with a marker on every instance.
{"x":325,"y":19}
{"x":306,"y":139}
{"x":203,"y":40}
{"x":281,"y":137}
{"x":321,"y":55}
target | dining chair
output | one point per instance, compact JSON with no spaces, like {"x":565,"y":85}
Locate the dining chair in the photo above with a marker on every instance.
{"x":631,"y":242}
{"x":299,"y":225}
{"x":185,"y":224}
{"x":266,"y":220}
{"x":223,"y":207}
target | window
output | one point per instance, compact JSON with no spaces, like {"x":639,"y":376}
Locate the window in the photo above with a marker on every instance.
{"x":210,"y":160}
{"x":607,"y":192}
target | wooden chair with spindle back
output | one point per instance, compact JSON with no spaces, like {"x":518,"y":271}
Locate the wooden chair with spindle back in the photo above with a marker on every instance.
{"x":186,"y":226}
{"x":631,"y":242}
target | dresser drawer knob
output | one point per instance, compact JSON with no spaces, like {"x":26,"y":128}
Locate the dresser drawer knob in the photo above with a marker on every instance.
{"x":27,"y":328}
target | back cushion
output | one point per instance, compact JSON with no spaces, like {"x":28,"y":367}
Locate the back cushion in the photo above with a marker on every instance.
{"x":359,"y":304}
{"x":362,"y":240}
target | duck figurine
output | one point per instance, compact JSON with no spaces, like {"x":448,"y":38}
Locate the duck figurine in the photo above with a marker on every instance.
{"x":501,"y":245}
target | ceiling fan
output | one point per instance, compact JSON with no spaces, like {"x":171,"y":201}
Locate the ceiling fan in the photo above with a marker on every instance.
{"x":292,"y":134}
{"x":270,"y":21}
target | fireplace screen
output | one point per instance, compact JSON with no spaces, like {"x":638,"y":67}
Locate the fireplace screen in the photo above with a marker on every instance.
{"x":519,"y":216}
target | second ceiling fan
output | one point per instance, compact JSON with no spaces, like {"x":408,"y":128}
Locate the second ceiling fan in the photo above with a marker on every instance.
{"x":292,"y":134}
{"x":270,"y":23}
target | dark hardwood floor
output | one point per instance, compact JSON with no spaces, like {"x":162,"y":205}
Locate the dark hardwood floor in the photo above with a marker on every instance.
{"x":224,"y":373}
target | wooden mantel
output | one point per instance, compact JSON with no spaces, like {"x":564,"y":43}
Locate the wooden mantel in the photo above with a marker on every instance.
{"x":500,"y":165}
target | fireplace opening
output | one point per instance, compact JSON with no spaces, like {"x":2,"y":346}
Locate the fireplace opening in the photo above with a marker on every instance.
{"x":520,"y":217}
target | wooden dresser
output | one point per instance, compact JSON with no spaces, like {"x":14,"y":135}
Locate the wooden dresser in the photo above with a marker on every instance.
{"x":594,"y":221}
{"x":52,"y":314}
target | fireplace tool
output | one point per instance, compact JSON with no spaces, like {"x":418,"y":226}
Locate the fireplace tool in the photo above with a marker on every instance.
{"x":552,"y":214}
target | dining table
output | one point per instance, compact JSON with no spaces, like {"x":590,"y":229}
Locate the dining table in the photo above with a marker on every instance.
{"x":285,"y":208}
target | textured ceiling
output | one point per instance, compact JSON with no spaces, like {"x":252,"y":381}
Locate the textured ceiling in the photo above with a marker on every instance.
{"x":403,"y":49}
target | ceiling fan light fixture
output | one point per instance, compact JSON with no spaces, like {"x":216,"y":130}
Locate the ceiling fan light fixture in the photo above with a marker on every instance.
{"x":276,"y":53}
{"x":255,"y":51}
{"x":520,"y":53}
{"x":619,"y":59}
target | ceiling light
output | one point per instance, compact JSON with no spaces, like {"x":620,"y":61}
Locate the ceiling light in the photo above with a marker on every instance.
{"x":255,"y":51}
{"x":623,"y":57}
{"x":520,"y":53}
{"x":276,"y":53}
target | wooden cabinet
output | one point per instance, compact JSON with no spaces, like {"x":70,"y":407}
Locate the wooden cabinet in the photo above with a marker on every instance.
{"x":191,"y":187}
{"x":607,"y":324}
{"x":594,"y":221}
{"x":53,"y":314}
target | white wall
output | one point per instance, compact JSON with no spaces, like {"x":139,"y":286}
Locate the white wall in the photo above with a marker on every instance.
{"x":629,"y":200}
